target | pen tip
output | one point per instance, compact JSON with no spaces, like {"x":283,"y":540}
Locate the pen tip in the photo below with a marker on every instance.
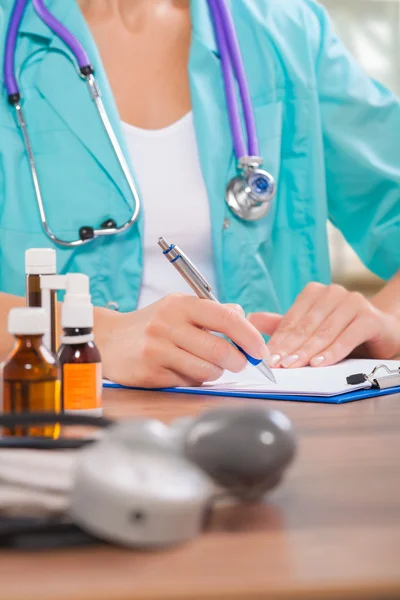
{"x":267,"y":371}
{"x":162,"y":243}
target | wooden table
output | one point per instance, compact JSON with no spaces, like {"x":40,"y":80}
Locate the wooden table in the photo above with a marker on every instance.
{"x":332,"y":530}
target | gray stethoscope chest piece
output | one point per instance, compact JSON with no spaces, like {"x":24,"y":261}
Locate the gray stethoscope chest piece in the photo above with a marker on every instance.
{"x":250,"y":194}
{"x":139,"y":494}
{"x":245,"y":450}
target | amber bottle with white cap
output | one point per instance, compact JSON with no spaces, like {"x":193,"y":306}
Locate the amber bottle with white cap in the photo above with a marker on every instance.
{"x":30,"y":373}
{"x":81,"y":374}
{"x":40,"y":263}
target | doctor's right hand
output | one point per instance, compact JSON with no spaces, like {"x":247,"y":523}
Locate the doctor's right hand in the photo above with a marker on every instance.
{"x":169,"y":343}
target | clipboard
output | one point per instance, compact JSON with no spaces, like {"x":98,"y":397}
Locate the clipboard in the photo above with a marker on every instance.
{"x":349,"y":381}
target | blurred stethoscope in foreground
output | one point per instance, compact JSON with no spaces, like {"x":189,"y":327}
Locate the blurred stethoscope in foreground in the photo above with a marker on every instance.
{"x":140,"y":483}
{"x":248,"y":195}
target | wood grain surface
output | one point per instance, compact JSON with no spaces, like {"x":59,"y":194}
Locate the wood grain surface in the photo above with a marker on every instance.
{"x":330,"y":531}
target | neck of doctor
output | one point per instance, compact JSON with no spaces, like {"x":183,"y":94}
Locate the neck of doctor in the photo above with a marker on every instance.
{"x":144,"y":45}
{"x":128,"y":11}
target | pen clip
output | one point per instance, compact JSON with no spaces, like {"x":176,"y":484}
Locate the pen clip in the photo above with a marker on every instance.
{"x":194,"y":270}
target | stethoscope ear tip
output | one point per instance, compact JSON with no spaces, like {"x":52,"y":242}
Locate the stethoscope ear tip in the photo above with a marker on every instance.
{"x":109,"y":224}
{"x":86,"y":233}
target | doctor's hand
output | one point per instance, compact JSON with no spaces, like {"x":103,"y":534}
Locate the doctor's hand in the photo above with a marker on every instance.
{"x":327,"y":324}
{"x":169,"y":342}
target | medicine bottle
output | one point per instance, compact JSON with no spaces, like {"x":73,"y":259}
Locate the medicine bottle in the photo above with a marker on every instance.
{"x":30,"y":373}
{"x":41,"y":262}
{"x":81,"y":373}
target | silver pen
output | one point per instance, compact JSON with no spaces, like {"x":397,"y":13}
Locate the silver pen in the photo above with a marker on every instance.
{"x":202,"y":289}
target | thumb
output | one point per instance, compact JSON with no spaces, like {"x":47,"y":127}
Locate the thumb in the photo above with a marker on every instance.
{"x":265,"y":322}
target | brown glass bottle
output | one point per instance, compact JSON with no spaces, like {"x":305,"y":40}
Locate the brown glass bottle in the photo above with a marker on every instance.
{"x":34,"y":299}
{"x":81,"y":379}
{"x":40,"y":262}
{"x":33,"y":291}
{"x":31,"y":380}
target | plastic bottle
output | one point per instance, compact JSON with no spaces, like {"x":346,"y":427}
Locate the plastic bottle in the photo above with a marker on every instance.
{"x":30,"y":373}
{"x":81,"y":373}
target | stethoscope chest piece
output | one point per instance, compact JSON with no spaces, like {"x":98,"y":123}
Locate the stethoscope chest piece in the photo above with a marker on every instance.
{"x":249,"y":195}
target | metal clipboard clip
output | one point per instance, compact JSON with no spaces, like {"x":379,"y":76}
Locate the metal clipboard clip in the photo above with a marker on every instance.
{"x":382,"y":383}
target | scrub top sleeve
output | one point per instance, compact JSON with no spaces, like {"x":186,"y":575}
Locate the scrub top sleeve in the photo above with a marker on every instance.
{"x":361,"y":127}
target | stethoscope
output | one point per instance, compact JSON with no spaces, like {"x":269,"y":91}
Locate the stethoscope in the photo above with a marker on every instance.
{"x":248,"y":195}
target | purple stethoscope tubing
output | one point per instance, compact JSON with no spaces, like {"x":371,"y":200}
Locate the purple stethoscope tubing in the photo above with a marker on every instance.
{"x":228,"y":45}
{"x":62,"y":32}
{"x":232,"y":65}
{"x":9,"y":51}
{"x":11,"y":40}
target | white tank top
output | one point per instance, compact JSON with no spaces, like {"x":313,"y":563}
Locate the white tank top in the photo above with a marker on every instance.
{"x":174,"y":202}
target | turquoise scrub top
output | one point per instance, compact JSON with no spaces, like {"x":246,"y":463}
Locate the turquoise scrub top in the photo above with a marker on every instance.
{"x":328,"y":133}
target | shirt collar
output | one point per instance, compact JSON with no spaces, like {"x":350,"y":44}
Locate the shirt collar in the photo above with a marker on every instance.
{"x":33,"y":25}
{"x":202,"y":24}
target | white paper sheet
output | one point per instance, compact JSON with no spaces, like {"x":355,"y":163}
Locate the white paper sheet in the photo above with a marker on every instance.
{"x":307,"y":381}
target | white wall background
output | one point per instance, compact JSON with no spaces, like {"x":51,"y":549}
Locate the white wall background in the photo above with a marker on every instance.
{"x":371,"y":31}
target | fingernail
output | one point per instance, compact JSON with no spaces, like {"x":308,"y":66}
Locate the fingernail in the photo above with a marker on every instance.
{"x":288,"y":361}
{"x":274,"y":359}
{"x":240,"y":310}
{"x":318,"y":360}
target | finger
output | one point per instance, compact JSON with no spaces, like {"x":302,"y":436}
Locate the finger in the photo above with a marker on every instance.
{"x":236,"y":307}
{"x":265,"y":322}
{"x":326,"y":334}
{"x":160,"y":353}
{"x":152,"y":378}
{"x":178,"y":380}
{"x":287,"y":327}
{"x":190,"y":366}
{"x":361,"y":329}
{"x":313,"y":327}
{"x":354,"y":306}
{"x":209,"y":347}
{"x":230,"y":322}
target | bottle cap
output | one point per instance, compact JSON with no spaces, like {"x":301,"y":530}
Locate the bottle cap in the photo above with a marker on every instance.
{"x":40,"y":261}
{"x":27,"y":321}
{"x":77,"y":288}
{"x":77,"y":316}
{"x":77,"y":310}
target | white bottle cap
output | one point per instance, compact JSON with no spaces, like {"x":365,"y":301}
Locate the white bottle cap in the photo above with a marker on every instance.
{"x":77,"y":287}
{"x":77,"y":316}
{"x":27,"y":321}
{"x":40,"y":261}
{"x":77,"y":310}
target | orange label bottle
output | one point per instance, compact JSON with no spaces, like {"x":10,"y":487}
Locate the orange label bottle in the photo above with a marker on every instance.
{"x":79,"y":357}
{"x":81,"y":376}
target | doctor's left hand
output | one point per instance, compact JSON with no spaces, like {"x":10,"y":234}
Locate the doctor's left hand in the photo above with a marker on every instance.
{"x":327,"y":324}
